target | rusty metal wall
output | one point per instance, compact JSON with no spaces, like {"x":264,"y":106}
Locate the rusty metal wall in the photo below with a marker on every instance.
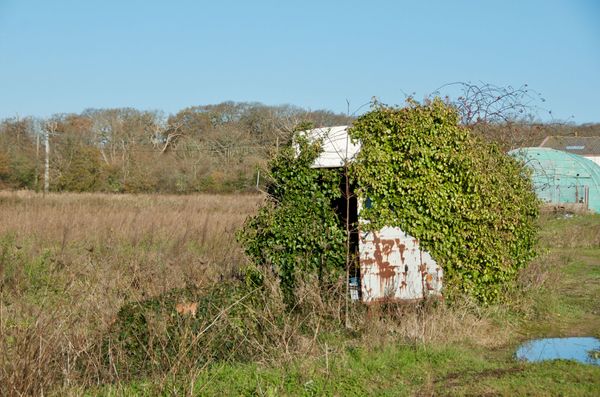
{"x":392,"y":266}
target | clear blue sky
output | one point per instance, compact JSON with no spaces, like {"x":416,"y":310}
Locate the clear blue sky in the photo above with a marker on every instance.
{"x":65,"y":56}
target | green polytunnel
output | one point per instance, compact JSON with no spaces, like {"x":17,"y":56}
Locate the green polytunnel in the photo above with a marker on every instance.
{"x":562,"y":178}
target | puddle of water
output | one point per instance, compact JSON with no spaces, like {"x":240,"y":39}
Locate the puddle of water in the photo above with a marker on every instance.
{"x":583,"y":349}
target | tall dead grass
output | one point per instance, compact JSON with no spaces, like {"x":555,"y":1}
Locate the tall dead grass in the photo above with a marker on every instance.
{"x":69,"y":262}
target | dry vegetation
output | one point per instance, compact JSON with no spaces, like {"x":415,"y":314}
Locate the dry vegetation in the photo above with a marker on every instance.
{"x":69,"y":262}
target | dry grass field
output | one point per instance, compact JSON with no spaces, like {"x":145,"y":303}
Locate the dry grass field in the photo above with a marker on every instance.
{"x":69,"y":262}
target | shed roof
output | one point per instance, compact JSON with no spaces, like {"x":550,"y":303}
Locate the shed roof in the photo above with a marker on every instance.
{"x":337,"y":146}
{"x":581,"y":145}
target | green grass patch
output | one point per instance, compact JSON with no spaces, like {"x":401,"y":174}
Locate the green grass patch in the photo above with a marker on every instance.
{"x":397,"y":370}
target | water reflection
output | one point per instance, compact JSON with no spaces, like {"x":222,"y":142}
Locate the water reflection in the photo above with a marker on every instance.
{"x":583,"y":349}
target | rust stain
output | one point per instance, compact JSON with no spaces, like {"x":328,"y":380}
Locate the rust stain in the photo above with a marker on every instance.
{"x":368,"y":261}
{"x":387,"y":246}
{"x":386,"y":270}
{"x":384,"y":275}
{"x":428,"y":280}
{"x":422,"y":266}
{"x":405,"y":277}
{"x":401,"y":248}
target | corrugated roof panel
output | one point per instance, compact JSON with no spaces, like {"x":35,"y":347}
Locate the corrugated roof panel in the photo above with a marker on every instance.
{"x":582,"y":145}
{"x":337,"y":146}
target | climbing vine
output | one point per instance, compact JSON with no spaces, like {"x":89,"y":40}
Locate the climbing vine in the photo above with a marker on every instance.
{"x":296,"y":232}
{"x":470,"y":205}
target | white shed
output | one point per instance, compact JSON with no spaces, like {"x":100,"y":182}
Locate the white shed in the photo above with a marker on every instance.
{"x":391,"y":264}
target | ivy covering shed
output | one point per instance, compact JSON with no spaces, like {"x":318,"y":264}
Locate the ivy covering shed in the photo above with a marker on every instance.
{"x":468,"y":209}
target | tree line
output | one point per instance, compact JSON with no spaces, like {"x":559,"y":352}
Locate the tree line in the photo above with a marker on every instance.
{"x":209,"y":148}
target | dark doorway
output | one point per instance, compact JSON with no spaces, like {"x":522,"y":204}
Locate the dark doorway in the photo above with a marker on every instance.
{"x":346,"y":208}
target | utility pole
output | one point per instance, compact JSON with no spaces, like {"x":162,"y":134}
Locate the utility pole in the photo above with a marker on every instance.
{"x":47,"y":162}
{"x":35,"y":128}
{"x":37,"y":161}
{"x":49,"y":128}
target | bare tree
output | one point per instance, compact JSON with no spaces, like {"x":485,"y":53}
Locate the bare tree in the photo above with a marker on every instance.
{"x":503,"y":114}
{"x":171,"y":134}
{"x":489,"y":103}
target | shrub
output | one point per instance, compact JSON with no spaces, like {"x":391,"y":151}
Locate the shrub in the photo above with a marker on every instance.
{"x":296,"y":231}
{"x":470,"y":205}
{"x":17,"y":170}
{"x":4,"y":166}
{"x":83,"y":173}
{"x":183,"y":327}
